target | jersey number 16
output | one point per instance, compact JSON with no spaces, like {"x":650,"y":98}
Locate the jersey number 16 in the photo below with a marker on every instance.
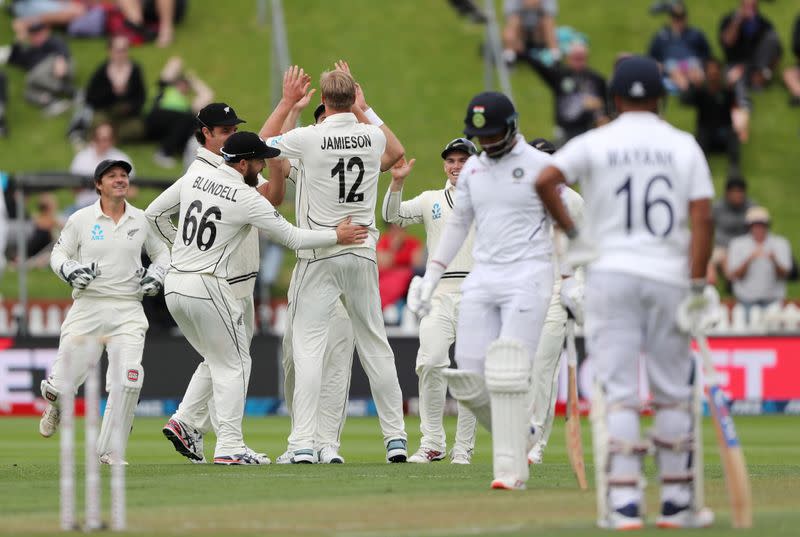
{"x":651,"y":202}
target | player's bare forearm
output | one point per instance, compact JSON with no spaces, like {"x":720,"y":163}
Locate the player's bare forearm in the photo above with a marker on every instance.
{"x":702,"y":223}
{"x":394,"y":149}
{"x":547,"y":189}
{"x":291,"y":119}
{"x":275,"y":189}
{"x":272,"y":126}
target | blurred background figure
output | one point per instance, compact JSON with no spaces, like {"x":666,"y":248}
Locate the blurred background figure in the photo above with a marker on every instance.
{"x":677,"y":46}
{"x":530,"y":29}
{"x":46,"y":60}
{"x":59,"y":13}
{"x":751,"y":44}
{"x":45,"y":229}
{"x":153,"y":18}
{"x":791,"y":75}
{"x":759,"y":262}
{"x":729,"y":222}
{"x":468,"y":9}
{"x":400,"y":256}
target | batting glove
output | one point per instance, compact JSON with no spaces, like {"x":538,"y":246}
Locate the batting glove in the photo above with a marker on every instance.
{"x":700,"y":310}
{"x":78,"y":275}
{"x":152,"y":282}
{"x":572,"y":298}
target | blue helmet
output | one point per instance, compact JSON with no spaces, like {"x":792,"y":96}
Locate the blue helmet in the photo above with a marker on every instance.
{"x":637,"y":78}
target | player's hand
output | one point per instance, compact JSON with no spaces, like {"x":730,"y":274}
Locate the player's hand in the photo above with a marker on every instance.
{"x":348,"y":233}
{"x":152,"y":282}
{"x":296,"y":84}
{"x":572,"y":298}
{"x":700,"y":310}
{"x":419,"y":296}
{"x":306,"y":100}
{"x":78,"y":275}
{"x":402,"y":169}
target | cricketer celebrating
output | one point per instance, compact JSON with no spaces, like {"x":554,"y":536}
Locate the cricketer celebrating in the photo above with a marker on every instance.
{"x":437,"y":330}
{"x":99,"y":255}
{"x":645,"y":184}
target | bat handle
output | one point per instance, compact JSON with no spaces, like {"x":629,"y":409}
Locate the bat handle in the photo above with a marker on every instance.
{"x":572,"y":353}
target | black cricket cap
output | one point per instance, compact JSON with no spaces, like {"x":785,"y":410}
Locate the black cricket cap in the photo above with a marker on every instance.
{"x":318,"y":111}
{"x":218,"y":115}
{"x":245,"y":145}
{"x":637,"y":78}
{"x":107,"y":164}
{"x":544,"y":145}
{"x":489,"y":113}
{"x":460,"y":144}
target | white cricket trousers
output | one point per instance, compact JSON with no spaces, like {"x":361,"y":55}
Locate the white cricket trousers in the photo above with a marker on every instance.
{"x":197,"y":406}
{"x":628,"y":316}
{"x":502,"y":301}
{"x":122,"y":322}
{"x":437,"y":332}
{"x":336,"y":373}
{"x":320,"y":284}
{"x":212,"y":320}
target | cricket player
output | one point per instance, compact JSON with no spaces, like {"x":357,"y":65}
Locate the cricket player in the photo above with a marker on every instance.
{"x":505,"y":297}
{"x":437,"y":330}
{"x":195,"y":415}
{"x":342,"y":159}
{"x":99,"y":255}
{"x":647,"y":231}
{"x":217,"y":209}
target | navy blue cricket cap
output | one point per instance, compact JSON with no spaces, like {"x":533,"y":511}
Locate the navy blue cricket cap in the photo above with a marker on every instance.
{"x":245,"y":145}
{"x":489,"y":113}
{"x":218,"y":115}
{"x":460,"y":144}
{"x":107,"y":164}
{"x":637,"y":78}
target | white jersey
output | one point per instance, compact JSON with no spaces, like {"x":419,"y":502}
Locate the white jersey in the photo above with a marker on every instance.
{"x":432,"y":208}
{"x":91,"y":236}
{"x":637,"y":176}
{"x":341,"y":160}
{"x":497,"y":194}
{"x":574,"y":204}
{"x":217,"y":210}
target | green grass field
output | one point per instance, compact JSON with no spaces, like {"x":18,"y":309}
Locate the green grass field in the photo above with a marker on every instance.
{"x":365,"y":497}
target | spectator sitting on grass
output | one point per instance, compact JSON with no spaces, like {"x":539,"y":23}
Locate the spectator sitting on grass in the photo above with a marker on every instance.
{"x":58,"y":13}
{"x":678,"y":46}
{"x":729,"y":222}
{"x":751,"y":44}
{"x":142,"y":14}
{"x":530,"y":28}
{"x":759,"y":262}
{"x":791,"y":75}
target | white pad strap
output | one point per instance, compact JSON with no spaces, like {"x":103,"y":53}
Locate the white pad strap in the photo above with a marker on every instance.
{"x":469,"y":389}
{"x":120,"y":409}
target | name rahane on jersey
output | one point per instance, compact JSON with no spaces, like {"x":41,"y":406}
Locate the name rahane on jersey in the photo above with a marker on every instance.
{"x":641,"y":157}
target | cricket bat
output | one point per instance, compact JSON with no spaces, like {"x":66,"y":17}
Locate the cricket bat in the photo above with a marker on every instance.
{"x":733,"y":464}
{"x":572,"y":432}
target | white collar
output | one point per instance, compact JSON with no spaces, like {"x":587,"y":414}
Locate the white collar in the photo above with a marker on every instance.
{"x":98,"y":211}
{"x":209,"y":156}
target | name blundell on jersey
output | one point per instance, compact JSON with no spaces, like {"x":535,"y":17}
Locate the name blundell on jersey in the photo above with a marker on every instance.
{"x":346,"y":142}
{"x":226,"y":192}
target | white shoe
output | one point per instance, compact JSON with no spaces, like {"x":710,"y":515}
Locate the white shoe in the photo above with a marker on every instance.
{"x":51,"y":417}
{"x":535,"y":454}
{"x":426,"y":455}
{"x":298,"y":456}
{"x":106,"y":458}
{"x":396,"y":450}
{"x":187,"y":440}
{"x":674,"y":517}
{"x":460,"y":457}
{"x":329,"y":455}
{"x":248,"y":456}
{"x":623,"y":519}
{"x":508,"y":484}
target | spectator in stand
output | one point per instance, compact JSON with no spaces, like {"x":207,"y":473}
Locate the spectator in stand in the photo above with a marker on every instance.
{"x":717,"y":102}
{"x":163,"y":14}
{"x":399,"y":255}
{"x":759,"y":262}
{"x":100,"y":148}
{"x":679,"y":47}
{"x":50,"y":12}
{"x":46,"y":225}
{"x":580,"y":92}
{"x":751,"y":44}
{"x":729,"y":222}
{"x":46,"y":60}
{"x":791,"y":75}
{"x":116,"y":92}
{"x":530,"y":29}
{"x":172,"y":119}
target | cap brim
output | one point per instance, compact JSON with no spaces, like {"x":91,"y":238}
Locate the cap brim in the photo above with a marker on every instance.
{"x":486,"y":131}
{"x":227,"y":123}
{"x":100,"y":172}
{"x":268,"y":152}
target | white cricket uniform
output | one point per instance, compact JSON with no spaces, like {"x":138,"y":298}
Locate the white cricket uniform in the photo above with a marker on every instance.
{"x":437,"y":330}
{"x":196,"y":407}
{"x":110,"y":306}
{"x":341,"y":159}
{"x":337,"y":363}
{"x":638,"y":175}
{"x":217,"y":210}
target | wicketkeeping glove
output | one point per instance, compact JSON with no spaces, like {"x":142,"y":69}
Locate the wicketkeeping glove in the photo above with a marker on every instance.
{"x":152,"y":282}
{"x":700,"y":310}
{"x":419,"y":296}
{"x":79,"y":276}
{"x":572,"y":298}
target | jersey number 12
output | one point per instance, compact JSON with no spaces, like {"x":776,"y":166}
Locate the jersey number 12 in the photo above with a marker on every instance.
{"x":338,"y":171}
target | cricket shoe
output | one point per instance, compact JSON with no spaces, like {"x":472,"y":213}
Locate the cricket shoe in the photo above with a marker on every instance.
{"x":535,"y":454}
{"x":108,"y":458}
{"x":676,"y":517}
{"x":247,"y":457}
{"x":460,"y":457}
{"x":623,"y":519}
{"x":426,"y":455}
{"x":329,"y":455}
{"x":188,"y":441}
{"x":298,"y":456}
{"x":508,"y":484}
{"x":51,"y":417}
{"x":397,"y":450}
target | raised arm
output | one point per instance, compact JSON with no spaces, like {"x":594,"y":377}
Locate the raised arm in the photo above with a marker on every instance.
{"x":395,"y":210}
{"x":159,"y":213}
{"x":296,"y":84}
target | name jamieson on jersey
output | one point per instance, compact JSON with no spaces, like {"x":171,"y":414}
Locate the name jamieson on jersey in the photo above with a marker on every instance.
{"x":223,"y":191}
{"x":643,"y":157}
{"x":345,"y":142}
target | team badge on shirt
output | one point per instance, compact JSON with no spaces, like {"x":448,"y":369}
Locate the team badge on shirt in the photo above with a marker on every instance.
{"x":518,"y":173}
{"x":97,"y":233}
{"x":132,"y":232}
{"x":437,"y":211}
{"x":478,"y":119}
